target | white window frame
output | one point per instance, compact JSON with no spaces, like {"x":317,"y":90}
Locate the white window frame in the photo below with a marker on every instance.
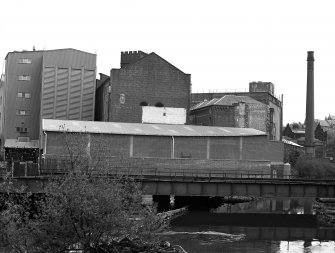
{"x":20,"y":112}
{"x":24,"y":78}
{"x":23,"y":95}
{"x":25,"y":61}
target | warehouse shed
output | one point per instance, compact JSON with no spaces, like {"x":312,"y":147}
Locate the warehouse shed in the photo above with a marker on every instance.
{"x":162,"y":145}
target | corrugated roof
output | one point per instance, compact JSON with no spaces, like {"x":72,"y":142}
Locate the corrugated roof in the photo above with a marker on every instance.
{"x":14,"y":143}
{"x":323,"y":123}
{"x":226,"y":100}
{"x":51,"y":125}
{"x":292,"y":143}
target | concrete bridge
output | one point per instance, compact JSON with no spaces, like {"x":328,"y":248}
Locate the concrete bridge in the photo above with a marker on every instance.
{"x":206,"y":183}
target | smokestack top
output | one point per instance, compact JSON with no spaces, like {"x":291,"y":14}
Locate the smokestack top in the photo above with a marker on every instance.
{"x":310,"y":56}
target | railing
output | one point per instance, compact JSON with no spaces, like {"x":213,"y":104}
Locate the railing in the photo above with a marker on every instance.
{"x":174,"y":174}
{"x":21,"y":170}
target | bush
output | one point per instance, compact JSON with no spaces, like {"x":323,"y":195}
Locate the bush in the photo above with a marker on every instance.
{"x":312,"y":167}
{"x":79,"y":210}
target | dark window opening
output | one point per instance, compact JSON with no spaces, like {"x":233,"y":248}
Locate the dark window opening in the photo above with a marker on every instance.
{"x":143,"y":103}
{"x":21,"y":129}
{"x":159,"y":104}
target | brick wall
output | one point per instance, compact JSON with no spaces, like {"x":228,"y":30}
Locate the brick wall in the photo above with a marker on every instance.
{"x":201,"y":117}
{"x":257,"y":116}
{"x":239,"y":166}
{"x":224,"y":115}
{"x":152,"y":80}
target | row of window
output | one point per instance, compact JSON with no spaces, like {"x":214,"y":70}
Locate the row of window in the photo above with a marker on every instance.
{"x":158,"y":104}
{"x":22,"y":129}
{"x":23,"y":95}
{"x":20,"y":112}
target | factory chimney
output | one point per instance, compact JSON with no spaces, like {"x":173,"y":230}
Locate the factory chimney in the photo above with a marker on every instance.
{"x":309,"y":134}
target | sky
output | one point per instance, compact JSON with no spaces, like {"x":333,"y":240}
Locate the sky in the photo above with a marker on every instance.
{"x":223,"y":44}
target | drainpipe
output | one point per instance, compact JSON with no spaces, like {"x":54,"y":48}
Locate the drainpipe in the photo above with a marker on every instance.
{"x":172,"y":149}
{"x":109,"y":98}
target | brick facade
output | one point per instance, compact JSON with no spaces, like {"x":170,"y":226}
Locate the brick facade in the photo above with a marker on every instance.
{"x":267,"y":118}
{"x":248,"y":113}
{"x":146,"y":79}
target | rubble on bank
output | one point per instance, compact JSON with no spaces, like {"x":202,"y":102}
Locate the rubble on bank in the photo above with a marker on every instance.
{"x":135,"y":246}
{"x":325,"y":211}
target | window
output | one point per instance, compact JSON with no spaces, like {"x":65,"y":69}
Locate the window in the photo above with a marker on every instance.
{"x":21,"y":129}
{"x":25,"y":61}
{"x":159,"y":104}
{"x":143,"y":103}
{"x":23,"y":95}
{"x":24,"y":78}
{"x":22,"y":112}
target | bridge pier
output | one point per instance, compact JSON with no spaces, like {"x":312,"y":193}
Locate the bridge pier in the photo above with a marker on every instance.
{"x":197,"y":202}
{"x":163,"y":202}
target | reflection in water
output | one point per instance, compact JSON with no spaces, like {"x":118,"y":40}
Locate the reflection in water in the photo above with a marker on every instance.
{"x":262,"y":226}
{"x":262,"y":205}
{"x":307,"y":247}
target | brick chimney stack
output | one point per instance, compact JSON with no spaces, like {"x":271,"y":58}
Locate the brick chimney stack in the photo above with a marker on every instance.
{"x":309,"y":134}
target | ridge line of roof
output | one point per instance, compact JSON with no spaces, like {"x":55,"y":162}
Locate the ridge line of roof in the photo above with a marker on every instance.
{"x":153,"y":53}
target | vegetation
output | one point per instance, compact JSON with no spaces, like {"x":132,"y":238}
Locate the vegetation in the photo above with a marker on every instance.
{"x":319,"y":168}
{"x":78,"y":210}
{"x":83,"y":209}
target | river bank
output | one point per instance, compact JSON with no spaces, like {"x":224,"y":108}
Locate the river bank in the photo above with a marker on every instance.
{"x":325,"y":211}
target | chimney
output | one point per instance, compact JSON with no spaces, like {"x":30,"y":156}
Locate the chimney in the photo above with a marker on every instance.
{"x":309,"y":134}
{"x":128,"y":57}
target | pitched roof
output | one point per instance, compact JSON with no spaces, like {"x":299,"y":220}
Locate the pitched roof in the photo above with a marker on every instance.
{"x":323,"y":123}
{"x":51,"y":125}
{"x":14,"y":143}
{"x":226,"y":100}
{"x":151,"y":55}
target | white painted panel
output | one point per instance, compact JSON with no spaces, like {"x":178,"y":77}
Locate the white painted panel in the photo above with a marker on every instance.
{"x":163,"y":115}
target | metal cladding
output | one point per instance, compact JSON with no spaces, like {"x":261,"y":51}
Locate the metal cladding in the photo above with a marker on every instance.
{"x":309,"y":136}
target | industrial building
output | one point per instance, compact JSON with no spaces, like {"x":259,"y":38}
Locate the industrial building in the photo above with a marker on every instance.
{"x":52,"y":84}
{"x":174,"y":147}
{"x":231,"y":111}
{"x":143,"y":80}
{"x":262,"y":92}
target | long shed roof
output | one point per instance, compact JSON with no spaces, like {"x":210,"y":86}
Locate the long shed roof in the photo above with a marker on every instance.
{"x":51,"y":125}
{"x":226,"y":100}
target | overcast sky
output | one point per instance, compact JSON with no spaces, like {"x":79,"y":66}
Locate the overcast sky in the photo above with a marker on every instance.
{"x":223,"y":44}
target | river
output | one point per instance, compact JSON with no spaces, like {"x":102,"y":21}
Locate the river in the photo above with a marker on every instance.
{"x":261,"y":226}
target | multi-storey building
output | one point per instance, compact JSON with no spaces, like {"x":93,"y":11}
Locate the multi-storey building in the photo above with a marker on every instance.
{"x":262,"y":92}
{"x":53,"y":84}
{"x":231,"y":111}
{"x":143,"y":80}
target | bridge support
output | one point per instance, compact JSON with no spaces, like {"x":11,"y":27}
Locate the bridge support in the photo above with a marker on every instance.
{"x":163,"y":202}
{"x":198,"y":202}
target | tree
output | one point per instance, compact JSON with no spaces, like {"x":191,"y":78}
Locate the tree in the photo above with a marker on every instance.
{"x":77,"y":210}
{"x":288,"y":132}
{"x":84,"y":208}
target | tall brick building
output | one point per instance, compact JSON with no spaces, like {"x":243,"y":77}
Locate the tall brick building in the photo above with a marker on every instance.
{"x":143,"y":80}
